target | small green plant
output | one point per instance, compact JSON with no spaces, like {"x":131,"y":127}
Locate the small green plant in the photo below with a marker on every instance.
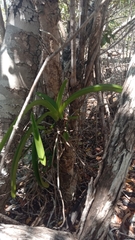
{"x":55,"y":109}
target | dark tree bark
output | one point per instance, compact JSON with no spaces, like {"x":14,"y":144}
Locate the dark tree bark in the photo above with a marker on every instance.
{"x":2,"y":28}
{"x":83,"y":7}
{"x":94,"y":39}
{"x":95,"y":31}
{"x":49,"y":15}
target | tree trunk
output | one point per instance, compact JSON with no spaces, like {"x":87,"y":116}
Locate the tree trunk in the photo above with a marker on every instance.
{"x":20,"y":53}
{"x":49,"y":16}
{"x":2,"y":28}
{"x":116,"y":161}
{"x":96,"y":26}
{"x":95,"y":31}
{"x":52,"y":79}
{"x":15,"y":232}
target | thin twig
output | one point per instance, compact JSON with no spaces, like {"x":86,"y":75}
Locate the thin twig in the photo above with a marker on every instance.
{"x":119,"y":39}
{"x":123,"y":234}
{"x":73,"y":44}
{"x":58,"y":183}
{"x":110,"y":234}
{"x":48,"y":33}
{"x":52,"y":212}
{"x":8,"y":220}
{"x":39,"y":217}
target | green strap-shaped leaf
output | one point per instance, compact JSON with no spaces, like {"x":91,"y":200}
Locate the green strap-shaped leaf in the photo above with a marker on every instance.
{"x":15,"y":161}
{"x":38,"y":142}
{"x":35,"y":167}
{"x":53,"y":112}
{"x":95,"y":88}
{"x":60,"y":94}
{"x":48,"y":99}
{"x":18,"y":154}
{"x":6,"y":136}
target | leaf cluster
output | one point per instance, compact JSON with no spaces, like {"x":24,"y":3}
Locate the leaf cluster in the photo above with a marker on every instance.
{"x":55,"y":110}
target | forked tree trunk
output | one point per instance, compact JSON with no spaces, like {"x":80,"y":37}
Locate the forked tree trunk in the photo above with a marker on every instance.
{"x":94,"y":38}
{"x":19,"y":59}
{"x":116,"y":161}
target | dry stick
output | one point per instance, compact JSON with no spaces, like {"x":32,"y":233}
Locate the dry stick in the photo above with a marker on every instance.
{"x":119,"y":39}
{"x":51,"y":214}
{"x":124,"y":25}
{"x":48,"y":33}
{"x":121,"y":233}
{"x":39,"y":217}
{"x":100,"y":98}
{"x":58,"y":182}
{"x":73,"y":44}
{"x":15,"y":127}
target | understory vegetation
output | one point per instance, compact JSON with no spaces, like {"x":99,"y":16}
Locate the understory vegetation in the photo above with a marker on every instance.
{"x":68,"y":118}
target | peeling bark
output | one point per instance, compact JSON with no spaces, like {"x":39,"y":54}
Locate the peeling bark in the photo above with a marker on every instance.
{"x":116,"y":161}
{"x":19,"y":58}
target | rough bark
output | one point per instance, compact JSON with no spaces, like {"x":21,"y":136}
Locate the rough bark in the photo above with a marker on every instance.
{"x":83,"y":8}
{"x":95,"y":30}
{"x":2,"y":28}
{"x":19,"y":59}
{"x":94,"y":37}
{"x":16,"y":232}
{"x":49,"y":16}
{"x":117,"y":158}
{"x":52,"y":78}
{"x":68,"y":177}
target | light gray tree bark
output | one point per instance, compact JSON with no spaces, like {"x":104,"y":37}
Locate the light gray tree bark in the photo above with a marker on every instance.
{"x":15,"y":232}
{"x":105,"y":192}
{"x":19,"y":59}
